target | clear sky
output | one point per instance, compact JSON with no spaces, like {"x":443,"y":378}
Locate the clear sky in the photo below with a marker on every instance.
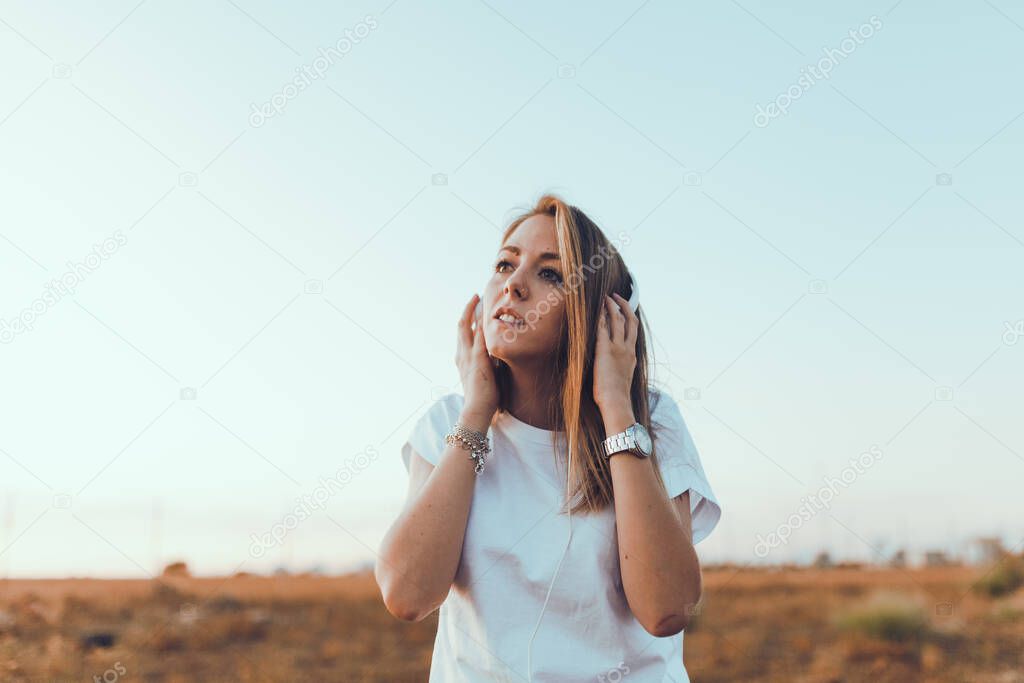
{"x":235,"y":287}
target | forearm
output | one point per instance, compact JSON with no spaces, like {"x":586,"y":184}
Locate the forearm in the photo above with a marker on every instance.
{"x":658,"y":563}
{"x":420,"y":554}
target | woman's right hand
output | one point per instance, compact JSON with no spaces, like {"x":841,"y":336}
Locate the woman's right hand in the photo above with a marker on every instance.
{"x":476,"y":368}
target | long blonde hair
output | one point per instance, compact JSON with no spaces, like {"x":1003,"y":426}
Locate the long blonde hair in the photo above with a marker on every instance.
{"x":592,"y":269}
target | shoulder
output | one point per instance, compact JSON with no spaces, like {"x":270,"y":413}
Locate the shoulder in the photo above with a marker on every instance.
{"x":449,"y":405}
{"x":680,"y":463}
{"x":427,"y":434}
{"x":664,"y":409}
{"x":656,"y":395}
{"x":443,"y":410}
{"x":668,"y":427}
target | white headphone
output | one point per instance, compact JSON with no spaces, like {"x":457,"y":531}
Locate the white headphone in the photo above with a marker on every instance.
{"x":634,"y":293}
{"x":634,"y":303}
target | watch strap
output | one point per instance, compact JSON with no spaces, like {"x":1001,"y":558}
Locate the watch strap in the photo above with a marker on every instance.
{"x":616,"y":443}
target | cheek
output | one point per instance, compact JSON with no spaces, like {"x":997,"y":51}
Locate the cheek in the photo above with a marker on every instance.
{"x":549,"y":325}
{"x":489,"y":296}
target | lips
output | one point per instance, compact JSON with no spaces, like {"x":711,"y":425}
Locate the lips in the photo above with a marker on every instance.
{"x":508,"y":317}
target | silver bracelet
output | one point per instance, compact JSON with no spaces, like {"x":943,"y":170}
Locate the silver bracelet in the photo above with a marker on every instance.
{"x":471,"y":440}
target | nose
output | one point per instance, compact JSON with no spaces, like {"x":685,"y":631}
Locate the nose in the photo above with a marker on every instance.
{"x":515,"y":287}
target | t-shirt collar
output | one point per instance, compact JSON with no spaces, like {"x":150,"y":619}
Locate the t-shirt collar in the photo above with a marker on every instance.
{"x":516,"y":429}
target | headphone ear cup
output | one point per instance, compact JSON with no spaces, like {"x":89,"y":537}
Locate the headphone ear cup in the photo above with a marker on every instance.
{"x":634,"y":294}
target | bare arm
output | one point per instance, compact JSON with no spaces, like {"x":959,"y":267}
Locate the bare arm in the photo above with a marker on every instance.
{"x":420,"y":553}
{"x":659,"y":566}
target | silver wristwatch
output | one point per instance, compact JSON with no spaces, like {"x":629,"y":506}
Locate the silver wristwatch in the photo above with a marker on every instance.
{"x":634,"y":439}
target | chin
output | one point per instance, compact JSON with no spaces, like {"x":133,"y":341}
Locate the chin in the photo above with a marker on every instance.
{"x":501,"y":350}
{"x":513,"y":353}
{"x":522,"y":347}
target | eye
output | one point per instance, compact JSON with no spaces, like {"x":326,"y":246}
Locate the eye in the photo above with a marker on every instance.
{"x":551,"y":274}
{"x":502,"y":264}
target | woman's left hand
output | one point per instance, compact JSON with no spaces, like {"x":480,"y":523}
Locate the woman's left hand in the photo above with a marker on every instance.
{"x":615,"y":355}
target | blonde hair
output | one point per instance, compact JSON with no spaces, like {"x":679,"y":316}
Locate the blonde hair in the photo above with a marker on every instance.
{"x":592,"y":269}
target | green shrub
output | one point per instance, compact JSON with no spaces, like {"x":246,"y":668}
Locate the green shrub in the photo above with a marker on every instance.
{"x":888,"y":619}
{"x":1008,"y":614}
{"x":1002,"y":579}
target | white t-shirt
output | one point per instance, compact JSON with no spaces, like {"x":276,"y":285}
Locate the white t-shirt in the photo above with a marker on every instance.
{"x":515,"y":537}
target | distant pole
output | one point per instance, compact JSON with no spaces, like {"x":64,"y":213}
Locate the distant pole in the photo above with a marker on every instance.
{"x":289,"y":545}
{"x":823,"y":524}
{"x":730,"y":543}
{"x":954,"y":546}
{"x":8,"y":532}
{"x":905,"y":537}
{"x":155,"y":535}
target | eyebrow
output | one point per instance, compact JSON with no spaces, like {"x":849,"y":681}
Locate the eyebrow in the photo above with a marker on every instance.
{"x":546,"y":256}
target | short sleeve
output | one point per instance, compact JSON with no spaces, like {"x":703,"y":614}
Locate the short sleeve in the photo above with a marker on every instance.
{"x":427,"y":435}
{"x":680,"y":464}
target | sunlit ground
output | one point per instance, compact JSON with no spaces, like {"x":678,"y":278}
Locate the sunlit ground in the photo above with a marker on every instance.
{"x":786,"y":624}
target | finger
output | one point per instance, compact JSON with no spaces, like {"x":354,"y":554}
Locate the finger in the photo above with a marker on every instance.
{"x":606,"y":312}
{"x":465,"y":325}
{"x":602,"y":325}
{"x":603,"y":329}
{"x":480,"y":344}
{"x":632,"y":321}
{"x":618,"y":321}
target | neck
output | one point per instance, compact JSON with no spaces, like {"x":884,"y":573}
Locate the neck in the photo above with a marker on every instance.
{"x":533,"y":388}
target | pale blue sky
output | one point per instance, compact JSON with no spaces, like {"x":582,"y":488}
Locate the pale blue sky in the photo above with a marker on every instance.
{"x":812,"y":278}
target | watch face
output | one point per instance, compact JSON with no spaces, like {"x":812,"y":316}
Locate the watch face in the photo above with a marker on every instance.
{"x":643,"y":439}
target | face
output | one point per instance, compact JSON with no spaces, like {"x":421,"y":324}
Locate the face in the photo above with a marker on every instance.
{"x":526,"y":289}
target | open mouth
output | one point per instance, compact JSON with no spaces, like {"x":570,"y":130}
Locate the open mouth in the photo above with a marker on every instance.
{"x":510,"y":319}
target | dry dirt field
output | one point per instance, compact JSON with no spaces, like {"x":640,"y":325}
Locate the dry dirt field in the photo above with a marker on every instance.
{"x":787,"y":624}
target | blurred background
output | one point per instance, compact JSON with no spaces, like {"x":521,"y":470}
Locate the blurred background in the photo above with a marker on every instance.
{"x":236,"y":236}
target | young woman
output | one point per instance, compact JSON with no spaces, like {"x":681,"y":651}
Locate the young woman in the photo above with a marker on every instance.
{"x":561,"y":548}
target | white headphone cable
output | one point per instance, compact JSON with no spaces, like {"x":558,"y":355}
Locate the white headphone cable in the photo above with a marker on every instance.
{"x":634,"y":303}
{"x":529,"y":647}
{"x":529,"y":650}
